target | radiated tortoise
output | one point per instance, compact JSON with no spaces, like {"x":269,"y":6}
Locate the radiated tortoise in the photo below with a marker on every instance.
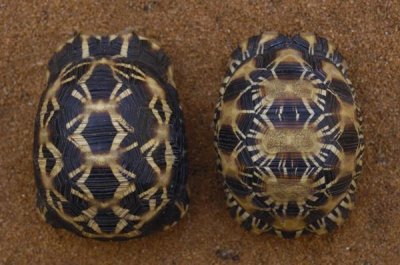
{"x":288,"y":135}
{"x":109,"y":148}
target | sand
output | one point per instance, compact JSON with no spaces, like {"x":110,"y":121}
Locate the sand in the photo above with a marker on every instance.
{"x":199,"y":36}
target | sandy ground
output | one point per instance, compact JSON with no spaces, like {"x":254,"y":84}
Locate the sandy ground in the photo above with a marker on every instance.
{"x":199,"y":36}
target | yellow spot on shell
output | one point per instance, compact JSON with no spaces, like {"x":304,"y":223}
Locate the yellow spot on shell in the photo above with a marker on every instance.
{"x":291,"y":140}
{"x":289,"y":224}
{"x":162,"y":132}
{"x":289,"y":55}
{"x":276,"y":89}
{"x":101,"y":159}
{"x":100,"y":106}
{"x":285,"y":190}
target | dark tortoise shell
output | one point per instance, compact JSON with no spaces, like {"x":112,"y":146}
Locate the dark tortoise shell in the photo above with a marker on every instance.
{"x":109,"y":150}
{"x":288,"y":135}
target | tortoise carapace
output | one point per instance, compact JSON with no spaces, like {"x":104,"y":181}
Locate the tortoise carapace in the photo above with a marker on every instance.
{"x":109,"y":147}
{"x":288,"y":135}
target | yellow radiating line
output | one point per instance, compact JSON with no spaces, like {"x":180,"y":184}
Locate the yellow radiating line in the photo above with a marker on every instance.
{"x":333,"y":129}
{"x":85,"y":46}
{"x":130,"y":66}
{"x":86,"y":90}
{"x":115,"y":168}
{"x":151,"y":162}
{"x":85,"y":175}
{"x":119,"y":137}
{"x":76,"y":171}
{"x":124,"y":94}
{"x":129,"y":147}
{"x":115,"y":90}
{"x":167,"y":110}
{"x":46,"y":124}
{"x":66,"y":72}
{"x":82,"y":126}
{"x":80,"y":142}
{"x":131,"y":217}
{"x":57,"y":168}
{"x":150,"y":214}
{"x":73,"y":121}
{"x":154,"y":111}
{"x":78,"y":194}
{"x":124,"y":190}
{"x":119,"y":211}
{"x":147,"y":145}
{"x":153,"y":43}
{"x":126,"y":172}
{"x":121,"y":73}
{"x":44,"y":110}
{"x":125,"y":45}
{"x":68,"y":80}
{"x":113,"y":69}
{"x":78,"y":96}
{"x":125,"y":124}
{"x":152,"y":204}
{"x":87,"y":194}
{"x":84,"y":78}
{"x":80,"y":218}
{"x":54,"y":151}
{"x":59,"y":196}
{"x":92,"y":224}
{"x":120,"y":226}
{"x":148,"y":193}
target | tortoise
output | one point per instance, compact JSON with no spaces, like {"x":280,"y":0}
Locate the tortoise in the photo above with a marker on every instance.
{"x":288,"y":135}
{"x":109,"y":145}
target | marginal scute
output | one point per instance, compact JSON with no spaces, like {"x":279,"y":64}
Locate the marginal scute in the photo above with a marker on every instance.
{"x":289,"y":224}
{"x":342,"y":90}
{"x":266,"y":37}
{"x":227,"y":140}
{"x":311,"y":39}
{"x":288,"y":56}
{"x":340,"y":186}
{"x":244,"y":70}
{"x":332,"y":72}
{"x":288,"y":135}
{"x":111,"y":164}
